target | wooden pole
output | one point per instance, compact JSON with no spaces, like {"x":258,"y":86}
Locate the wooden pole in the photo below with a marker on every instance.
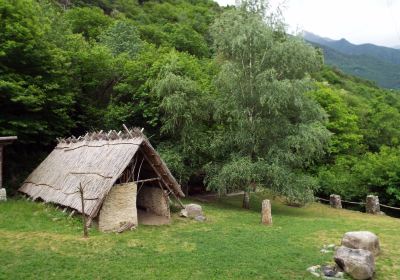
{"x":246,"y":200}
{"x":147,"y":180}
{"x":85,"y":229}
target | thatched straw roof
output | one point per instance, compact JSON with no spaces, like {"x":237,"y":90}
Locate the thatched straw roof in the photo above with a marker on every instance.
{"x":7,"y":139}
{"x":96,"y":161}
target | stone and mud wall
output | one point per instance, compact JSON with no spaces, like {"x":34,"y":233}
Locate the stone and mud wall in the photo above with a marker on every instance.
{"x":119,"y":208}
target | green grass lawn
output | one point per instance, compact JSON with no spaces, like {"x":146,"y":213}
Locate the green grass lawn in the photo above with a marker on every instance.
{"x":39,"y":242}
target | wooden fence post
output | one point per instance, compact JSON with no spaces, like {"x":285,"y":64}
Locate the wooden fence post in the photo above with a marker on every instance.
{"x":372,"y":205}
{"x":335,"y":201}
{"x":85,"y":226}
{"x":266,"y":215}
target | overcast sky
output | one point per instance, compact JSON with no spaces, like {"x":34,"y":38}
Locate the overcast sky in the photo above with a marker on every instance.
{"x":359,"y":21}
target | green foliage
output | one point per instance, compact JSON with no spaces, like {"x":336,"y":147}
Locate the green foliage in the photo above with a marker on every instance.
{"x":175,"y":161}
{"x":371,"y":173}
{"x":380,"y":172}
{"x":122,"y":37}
{"x":383,"y":125}
{"x":90,"y":22}
{"x":183,"y":86}
{"x":35,"y":98}
{"x":184,"y":38}
{"x":343,"y":122}
{"x":238,"y":174}
{"x":339,"y":178}
{"x":363,"y":119}
{"x":265,"y":114}
{"x":237,"y":94}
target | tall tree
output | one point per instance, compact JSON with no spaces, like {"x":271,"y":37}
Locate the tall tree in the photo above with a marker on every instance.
{"x":273,"y":130}
{"x":35,"y":98}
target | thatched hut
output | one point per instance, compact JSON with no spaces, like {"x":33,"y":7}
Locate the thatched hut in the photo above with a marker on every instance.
{"x":123,"y":178}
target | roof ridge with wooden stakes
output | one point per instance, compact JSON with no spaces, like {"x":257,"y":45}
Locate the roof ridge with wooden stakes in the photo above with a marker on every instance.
{"x":96,"y":160}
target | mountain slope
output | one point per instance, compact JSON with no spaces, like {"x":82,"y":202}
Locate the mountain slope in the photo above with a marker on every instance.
{"x":376,"y":63}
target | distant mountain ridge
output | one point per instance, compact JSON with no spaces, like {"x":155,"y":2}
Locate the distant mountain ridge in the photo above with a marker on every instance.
{"x":377,"y":63}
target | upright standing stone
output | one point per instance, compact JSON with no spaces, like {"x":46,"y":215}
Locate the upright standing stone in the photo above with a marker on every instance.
{"x":266,"y":216}
{"x":4,"y":141}
{"x":1,"y":166}
{"x":3,"y":194}
{"x":372,"y":205}
{"x":335,"y":201}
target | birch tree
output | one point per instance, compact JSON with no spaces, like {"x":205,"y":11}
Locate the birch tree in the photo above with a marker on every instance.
{"x":273,"y":131}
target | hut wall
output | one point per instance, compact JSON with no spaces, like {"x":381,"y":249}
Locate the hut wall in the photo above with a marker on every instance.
{"x":119,"y":208}
{"x":153,"y":200}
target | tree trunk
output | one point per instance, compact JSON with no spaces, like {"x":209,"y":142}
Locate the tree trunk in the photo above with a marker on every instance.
{"x":246,"y":200}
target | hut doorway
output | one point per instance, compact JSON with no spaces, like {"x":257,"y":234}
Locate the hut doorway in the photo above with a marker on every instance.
{"x":152,"y":205}
{"x":152,"y":201}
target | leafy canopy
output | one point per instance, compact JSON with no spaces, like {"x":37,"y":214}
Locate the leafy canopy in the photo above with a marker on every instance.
{"x":266,"y":116}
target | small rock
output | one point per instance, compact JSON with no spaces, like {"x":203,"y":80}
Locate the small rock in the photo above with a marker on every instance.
{"x":200,"y":218}
{"x":314,"y":270}
{"x":328,"y":270}
{"x":328,"y":248}
{"x":358,"y":263}
{"x":331,"y":246}
{"x":191,"y":211}
{"x":339,"y":274}
{"x":362,"y":240}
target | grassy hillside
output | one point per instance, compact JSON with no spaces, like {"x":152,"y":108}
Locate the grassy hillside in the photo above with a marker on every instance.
{"x":38,"y":241}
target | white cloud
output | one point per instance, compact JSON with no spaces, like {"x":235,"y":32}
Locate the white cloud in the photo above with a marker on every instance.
{"x":359,"y":21}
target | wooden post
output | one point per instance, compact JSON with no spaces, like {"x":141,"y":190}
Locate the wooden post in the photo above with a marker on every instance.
{"x":246,"y":200}
{"x":372,"y":205}
{"x":266,"y":216}
{"x":335,"y":201}
{"x":85,"y":227}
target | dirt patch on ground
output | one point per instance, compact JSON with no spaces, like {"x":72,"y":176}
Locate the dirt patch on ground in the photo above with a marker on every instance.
{"x":151,"y":219}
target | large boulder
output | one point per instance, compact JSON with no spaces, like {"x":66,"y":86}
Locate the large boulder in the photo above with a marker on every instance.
{"x":362,"y":240}
{"x":358,"y":263}
{"x":192,"y":211}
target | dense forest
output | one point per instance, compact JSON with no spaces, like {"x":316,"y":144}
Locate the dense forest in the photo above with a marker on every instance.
{"x":225,"y":94}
